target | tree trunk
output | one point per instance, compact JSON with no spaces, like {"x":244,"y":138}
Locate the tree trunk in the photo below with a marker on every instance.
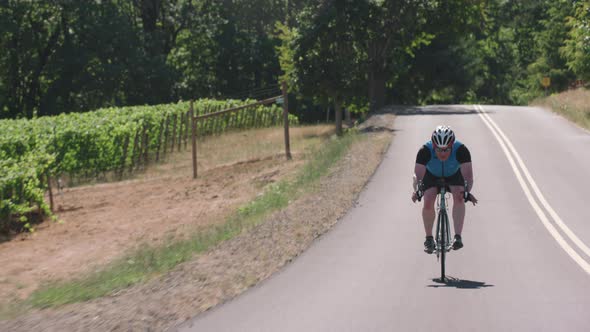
{"x":377,"y":79}
{"x":338,"y":114}
{"x":347,"y":116}
{"x":377,"y":71}
{"x":149,"y":11}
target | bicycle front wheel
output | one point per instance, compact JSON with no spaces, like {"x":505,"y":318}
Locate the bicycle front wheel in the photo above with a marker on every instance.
{"x":443,"y":227}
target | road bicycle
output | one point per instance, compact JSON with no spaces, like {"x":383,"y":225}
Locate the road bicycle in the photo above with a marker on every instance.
{"x":443,"y":233}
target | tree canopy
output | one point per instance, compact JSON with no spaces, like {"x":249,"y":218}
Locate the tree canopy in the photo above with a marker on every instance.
{"x":63,"y":56}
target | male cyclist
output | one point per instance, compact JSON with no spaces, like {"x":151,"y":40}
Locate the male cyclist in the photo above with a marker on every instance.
{"x":445,"y":157}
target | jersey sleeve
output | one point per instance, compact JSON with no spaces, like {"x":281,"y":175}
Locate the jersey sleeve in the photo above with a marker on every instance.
{"x":423,"y":156}
{"x":463,"y":155}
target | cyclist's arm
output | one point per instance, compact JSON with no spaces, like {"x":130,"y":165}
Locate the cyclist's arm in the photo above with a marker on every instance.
{"x":419,"y":172}
{"x":422,"y":159}
{"x":467,"y":172}
{"x":464,"y":158}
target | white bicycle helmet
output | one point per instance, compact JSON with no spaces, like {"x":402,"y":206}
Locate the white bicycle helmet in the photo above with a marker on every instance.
{"x":443,"y":137}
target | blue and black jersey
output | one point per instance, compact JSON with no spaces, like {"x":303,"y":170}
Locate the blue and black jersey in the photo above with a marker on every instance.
{"x":427,"y":157}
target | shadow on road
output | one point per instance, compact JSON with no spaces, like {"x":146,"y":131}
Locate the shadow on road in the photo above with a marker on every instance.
{"x":459,"y":283}
{"x":432,"y":110}
{"x":401,"y":110}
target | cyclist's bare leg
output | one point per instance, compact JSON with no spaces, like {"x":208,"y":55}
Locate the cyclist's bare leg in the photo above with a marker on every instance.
{"x":428,"y":212}
{"x":458,"y":208}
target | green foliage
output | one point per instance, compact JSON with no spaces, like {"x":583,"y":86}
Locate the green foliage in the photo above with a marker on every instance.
{"x":286,"y":54}
{"x":577,"y":47}
{"x":358,"y":107}
{"x":68,"y":56}
{"x":395,"y":31}
{"x":21,"y":190}
{"x":548,"y":41}
{"x":326,"y":54}
{"x":72,"y":56}
{"x":228,"y":49}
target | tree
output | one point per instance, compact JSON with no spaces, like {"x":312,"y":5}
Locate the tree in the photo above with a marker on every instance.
{"x":548,"y":41}
{"x":96,"y":62}
{"x":577,"y":46}
{"x":328,"y":59}
{"x":228,"y":48}
{"x":394,"y":30}
{"x":444,"y":62}
{"x":29,"y":37}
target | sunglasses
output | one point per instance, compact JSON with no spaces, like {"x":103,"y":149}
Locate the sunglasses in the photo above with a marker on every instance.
{"x":442,"y":149}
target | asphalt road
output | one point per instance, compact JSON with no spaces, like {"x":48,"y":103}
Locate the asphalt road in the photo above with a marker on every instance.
{"x":525,"y":265}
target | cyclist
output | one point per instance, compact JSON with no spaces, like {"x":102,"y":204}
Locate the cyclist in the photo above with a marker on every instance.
{"x":443,"y":156}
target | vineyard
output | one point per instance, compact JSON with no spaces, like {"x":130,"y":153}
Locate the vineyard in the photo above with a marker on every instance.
{"x":108,"y":141}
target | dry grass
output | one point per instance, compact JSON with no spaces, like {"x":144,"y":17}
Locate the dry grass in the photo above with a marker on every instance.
{"x":239,"y":146}
{"x":234,"y":169}
{"x":259,"y":143}
{"x":151,"y":260}
{"x":573,"y":104}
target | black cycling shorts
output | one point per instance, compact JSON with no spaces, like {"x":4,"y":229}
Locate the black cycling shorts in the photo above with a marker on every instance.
{"x":456,"y":179}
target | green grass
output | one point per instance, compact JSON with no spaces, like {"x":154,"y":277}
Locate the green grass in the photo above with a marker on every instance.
{"x":148,"y":262}
{"x":573,"y":105}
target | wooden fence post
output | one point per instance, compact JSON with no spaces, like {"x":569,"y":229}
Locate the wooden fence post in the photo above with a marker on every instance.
{"x":286,"y":120}
{"x":188,"y":117}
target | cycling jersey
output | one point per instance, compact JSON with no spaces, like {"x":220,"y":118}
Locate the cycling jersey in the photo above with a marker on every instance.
{"x":459,"y":155}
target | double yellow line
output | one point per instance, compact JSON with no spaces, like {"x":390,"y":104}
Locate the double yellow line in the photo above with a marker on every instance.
{"x":512,"y":154}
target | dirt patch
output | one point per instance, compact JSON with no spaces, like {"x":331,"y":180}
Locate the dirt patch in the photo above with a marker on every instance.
{"x":98,"y":223}
{"x":224,"y":271}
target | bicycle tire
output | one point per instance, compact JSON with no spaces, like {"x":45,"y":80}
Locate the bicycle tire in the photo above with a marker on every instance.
{"x":443,"y":239}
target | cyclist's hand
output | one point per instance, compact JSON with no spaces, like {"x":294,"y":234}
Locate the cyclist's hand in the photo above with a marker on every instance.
{"x":417,"y":196}
{"x":469,"y":197}
{"x":414,"y":197}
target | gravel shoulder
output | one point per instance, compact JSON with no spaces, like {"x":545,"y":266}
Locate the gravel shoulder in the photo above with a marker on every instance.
{"x":233,"y":266}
